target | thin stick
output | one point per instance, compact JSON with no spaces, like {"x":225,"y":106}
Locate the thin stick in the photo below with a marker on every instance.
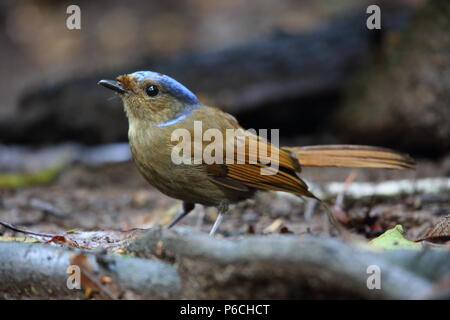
{"x":103,"y":289}
{"x":340,"y":197}
{"x":344,"y":233}
{"x":10,"y":226}
{"x":338,"y":208}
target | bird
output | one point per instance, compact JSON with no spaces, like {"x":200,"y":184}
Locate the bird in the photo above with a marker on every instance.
{"x":157,"y":105}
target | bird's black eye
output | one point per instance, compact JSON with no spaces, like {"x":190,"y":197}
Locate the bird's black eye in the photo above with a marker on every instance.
{"x":152,"y":90}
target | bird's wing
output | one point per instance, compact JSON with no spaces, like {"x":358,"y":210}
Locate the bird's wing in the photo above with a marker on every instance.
{"x":274,"y":170}
{"x":253,"y":162}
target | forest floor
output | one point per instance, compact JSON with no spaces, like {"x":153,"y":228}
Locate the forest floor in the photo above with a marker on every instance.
{"x":116,"y":197}
{"x":74,"y":221}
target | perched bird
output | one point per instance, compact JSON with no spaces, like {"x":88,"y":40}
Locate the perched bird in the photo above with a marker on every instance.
{"x":157,"y":105}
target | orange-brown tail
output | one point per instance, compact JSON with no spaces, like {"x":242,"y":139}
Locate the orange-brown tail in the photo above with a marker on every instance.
{"x":351,"y":156}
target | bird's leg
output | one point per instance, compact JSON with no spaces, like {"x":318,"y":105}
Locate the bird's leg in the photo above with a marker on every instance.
{"x":185,"y":208}
{"x":200,"y":218}
{"x":223,"y":208}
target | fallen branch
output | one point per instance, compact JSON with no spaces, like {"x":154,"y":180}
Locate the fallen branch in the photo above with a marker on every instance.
{"x":280,"y":267}
{"x":254,"y":267}
{"x":110,"y":240}
{"x":39,"y":271}
{"x":391,"y":188}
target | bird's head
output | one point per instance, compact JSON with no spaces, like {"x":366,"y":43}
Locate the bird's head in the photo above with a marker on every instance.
{"x":153,"y":97}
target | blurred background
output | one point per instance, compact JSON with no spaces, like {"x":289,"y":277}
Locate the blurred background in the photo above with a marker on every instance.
{"x":310,"y":68}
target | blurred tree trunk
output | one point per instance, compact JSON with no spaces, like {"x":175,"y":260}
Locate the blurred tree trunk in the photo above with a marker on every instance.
{"x":264,"y":82}
{"x":403,"y":100}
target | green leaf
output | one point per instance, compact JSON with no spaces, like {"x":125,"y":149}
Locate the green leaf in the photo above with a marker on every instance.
{"x":394,"y":239}
{"x":72,"y":230}
{"x":17,"y":239}
{"x":16,"y":180}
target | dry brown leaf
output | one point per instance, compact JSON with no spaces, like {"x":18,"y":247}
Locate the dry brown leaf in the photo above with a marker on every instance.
{"x":285,"y":230}
{"x":90,"y":286}
{"x":159,"y":248}
{"x":274,"y":226}
{"x":438,"y":233}
{"x":91,"y":282}
{"x":65,"y":240}
{"x":106,"y":280}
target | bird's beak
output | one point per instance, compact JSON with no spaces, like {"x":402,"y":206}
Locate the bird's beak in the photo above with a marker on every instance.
{"x":113,"y":85}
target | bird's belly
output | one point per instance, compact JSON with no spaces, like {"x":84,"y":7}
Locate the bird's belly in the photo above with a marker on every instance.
{"x":189,"y":183}
{"x":183,"y":182}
